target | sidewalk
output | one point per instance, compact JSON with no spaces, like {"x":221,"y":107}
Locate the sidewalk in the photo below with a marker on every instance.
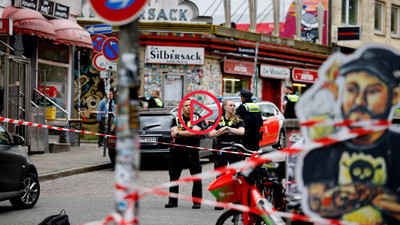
{"x":70,"y":160}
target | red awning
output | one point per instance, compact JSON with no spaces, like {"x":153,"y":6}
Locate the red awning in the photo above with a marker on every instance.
{"x":70,"y":33}
{"x":28,"y":21}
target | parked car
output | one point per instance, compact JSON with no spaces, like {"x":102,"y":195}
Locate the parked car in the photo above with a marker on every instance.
{"x":155,"y":126}
{"x":273,"y":132}
{"x":19,"y":181}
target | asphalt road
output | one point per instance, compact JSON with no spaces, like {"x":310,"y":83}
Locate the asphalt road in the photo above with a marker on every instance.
{"x":89,"y":197}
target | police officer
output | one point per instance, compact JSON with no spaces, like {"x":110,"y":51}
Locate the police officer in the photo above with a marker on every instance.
{"x":229,"y":129}
{"x":289,"y":101}
{"x":154,"y":100}
{"x":181,"y":157}
{"x":251,"y":114}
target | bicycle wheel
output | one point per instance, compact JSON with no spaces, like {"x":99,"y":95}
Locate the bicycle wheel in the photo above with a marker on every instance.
{"x":236,"y":217}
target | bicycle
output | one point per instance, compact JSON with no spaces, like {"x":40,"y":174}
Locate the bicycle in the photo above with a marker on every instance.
{"x":240,"y":187}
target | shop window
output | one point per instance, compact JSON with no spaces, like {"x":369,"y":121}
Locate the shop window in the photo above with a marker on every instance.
{"x":233,"y":85}
{"x":379,"y":17}
{"x":350,"y":10}
{"x":56,"y":77}
{"x":394,"y":21}
{"x":299,"y":89}
{"x":56,"y":53}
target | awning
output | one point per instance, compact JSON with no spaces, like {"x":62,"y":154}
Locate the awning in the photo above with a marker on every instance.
{"x":30,"y":22}
{"x":70,"y":33}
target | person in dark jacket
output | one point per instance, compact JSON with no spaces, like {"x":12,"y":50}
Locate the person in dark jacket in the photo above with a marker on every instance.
{"x":289,"y":101}
{"x":154,"y":100}
{"x":251,"y":114}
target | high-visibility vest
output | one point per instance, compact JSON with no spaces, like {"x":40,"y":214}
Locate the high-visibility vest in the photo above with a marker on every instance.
{"x":158,"y":102}
{"x":223,"y":123}
{"x":292,"y":97}
{"x":180,"y":126}
{"x":252,"y":107}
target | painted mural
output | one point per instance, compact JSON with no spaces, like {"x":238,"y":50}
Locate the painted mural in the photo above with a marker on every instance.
{"x":92,"y":91}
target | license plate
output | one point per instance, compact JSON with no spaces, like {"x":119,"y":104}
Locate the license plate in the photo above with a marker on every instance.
{"x":148,"y":139}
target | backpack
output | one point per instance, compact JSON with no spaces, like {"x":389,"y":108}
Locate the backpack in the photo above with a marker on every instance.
{"x":58,"y":219}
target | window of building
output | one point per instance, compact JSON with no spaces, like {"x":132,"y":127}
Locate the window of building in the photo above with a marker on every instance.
{"x":234,"y":84}
{"x":350,"y":10}
{"x":394,"y":21}
{"x":379,"y":17}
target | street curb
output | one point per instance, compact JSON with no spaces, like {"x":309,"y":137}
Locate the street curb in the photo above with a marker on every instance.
{"x":73,"y":171}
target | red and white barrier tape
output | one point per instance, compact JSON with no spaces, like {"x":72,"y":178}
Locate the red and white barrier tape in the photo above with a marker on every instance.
{"x":348,"y":123}
{"x":20,"y":122}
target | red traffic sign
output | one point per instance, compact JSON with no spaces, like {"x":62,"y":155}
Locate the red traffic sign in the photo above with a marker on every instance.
{"x":98,"y":41}
{"x":118,"y":12}
{"x":111,"y":49}
{"x":192,"y":104}
{"x":99,"y":62}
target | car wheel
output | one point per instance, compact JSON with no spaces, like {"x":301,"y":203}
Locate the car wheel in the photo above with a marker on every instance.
{"x":281,"y":141}
{"x":29,"y":193}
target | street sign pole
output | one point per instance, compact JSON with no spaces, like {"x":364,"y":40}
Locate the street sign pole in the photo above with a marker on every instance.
{"x":127,"y":168}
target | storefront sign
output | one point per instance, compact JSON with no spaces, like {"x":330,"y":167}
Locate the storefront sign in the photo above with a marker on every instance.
{"x":172,"y":11}
{"x":239,"y":67}
{"x":30,"y":4}
{"x":45,"y":7}
{"x":274,"y":71}
{"x":308,"y":76}
{"x":61,"y":11}
{"x":174,"y":55}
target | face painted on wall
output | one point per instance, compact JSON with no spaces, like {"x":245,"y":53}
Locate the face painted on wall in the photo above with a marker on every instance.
{"x":365,"y":97}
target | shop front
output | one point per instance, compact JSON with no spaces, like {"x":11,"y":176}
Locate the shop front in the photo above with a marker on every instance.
{"x":176,"y":71}
{"x":273,"y":78}
{"x":237,"y":76}
{"x":40,"y":70}
{"x":302,"y":79}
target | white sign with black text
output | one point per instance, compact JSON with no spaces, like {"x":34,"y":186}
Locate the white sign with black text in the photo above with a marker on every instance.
{"x":174,"y":55}
{"x":274,"y":71}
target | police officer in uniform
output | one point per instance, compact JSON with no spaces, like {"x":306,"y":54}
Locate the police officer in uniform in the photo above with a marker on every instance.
{"x":251,"y":114}
{"x":183,"y":157}
{"x":289,"y":100}
{"x":229,"y":129}
{"x":154,"y":100}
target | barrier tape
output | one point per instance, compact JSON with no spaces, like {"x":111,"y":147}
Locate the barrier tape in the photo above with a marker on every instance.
{"x":349,"y":123}
{"x":99,"y":112}
{"x":20,"y":122}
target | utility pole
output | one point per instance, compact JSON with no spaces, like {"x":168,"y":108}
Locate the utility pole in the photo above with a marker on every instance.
{"x":227,"y":10}
{"x":321,"y":10}
{"x":253,"y":15}
{"x":298,"y":6}
{"x":276,"y":5}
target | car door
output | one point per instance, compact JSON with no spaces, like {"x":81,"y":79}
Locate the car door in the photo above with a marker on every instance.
{"x":10,"y":163}
{"x":270,"y":124}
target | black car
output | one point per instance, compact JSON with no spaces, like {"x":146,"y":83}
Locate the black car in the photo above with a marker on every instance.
{"x":19,"y":181}
{"x":155,"y":126}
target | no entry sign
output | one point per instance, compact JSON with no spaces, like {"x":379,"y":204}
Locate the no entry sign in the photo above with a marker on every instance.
{"x":98,"y":41}
{"x":111,"y":49}
{"x":118,"y":12}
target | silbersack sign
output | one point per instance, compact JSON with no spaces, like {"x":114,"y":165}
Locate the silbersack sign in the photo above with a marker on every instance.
{"x":174,"y":55}
{"x":277,"y":72}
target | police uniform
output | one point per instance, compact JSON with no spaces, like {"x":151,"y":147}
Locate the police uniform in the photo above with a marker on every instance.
{"x":222,"y":159}
{"x":291,"y":101}
{"x":251,"y":114}
{"x":182,"y":158}
{"x":153,"y":102}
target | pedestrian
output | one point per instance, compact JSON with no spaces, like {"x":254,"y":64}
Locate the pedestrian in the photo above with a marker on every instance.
{"x":229,"y":129}
{"x":101,"y":116}
{"x":251,"y":115}
{"x":154,"y":100}
{"x":289,"y":101}
{"x":182,"y":157}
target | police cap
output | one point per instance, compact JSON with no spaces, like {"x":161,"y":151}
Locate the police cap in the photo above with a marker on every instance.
{"x":246,"y":93}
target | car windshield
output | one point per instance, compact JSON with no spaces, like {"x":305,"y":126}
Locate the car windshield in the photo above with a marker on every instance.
{"x":155,"y":122}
